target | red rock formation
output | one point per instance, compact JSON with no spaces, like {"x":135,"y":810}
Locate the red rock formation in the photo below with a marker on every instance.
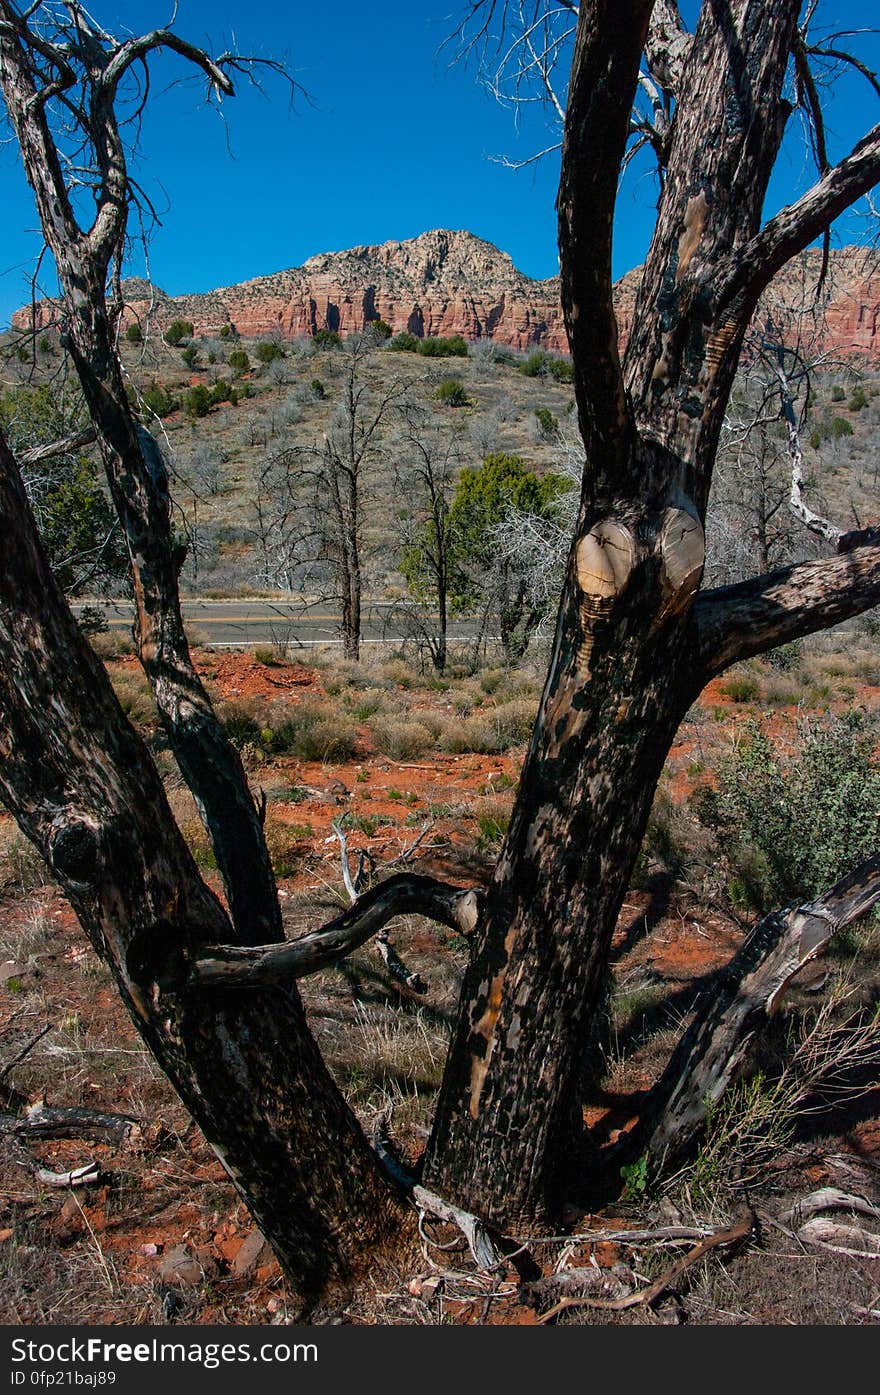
{"x":445,"y":283}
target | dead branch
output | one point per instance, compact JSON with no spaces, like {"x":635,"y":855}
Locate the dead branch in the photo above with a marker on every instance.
{"x":753,"y":266}
{"x":78,"y":1177}
{"x":37,"y":454}
{"x":828,"y":1199}
{"x":730,"y":1235}
{"x":23,"y":1053}
{"x":749,"y":617}
{"x":712,"y":1052}
{"x":842,"y":1239}
{"x":357,"y":884}
{"x":403,"y":894}
{"x":396,"y":967}
{"x":484,"y":1248}
{"x":41,"y":1120}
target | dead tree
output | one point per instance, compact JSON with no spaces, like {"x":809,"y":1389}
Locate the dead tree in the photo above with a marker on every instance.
{"x":314,"y":502}
{"x":636,"y":640}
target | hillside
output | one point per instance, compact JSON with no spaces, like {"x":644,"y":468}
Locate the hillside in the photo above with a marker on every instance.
{"x":450,"y":282}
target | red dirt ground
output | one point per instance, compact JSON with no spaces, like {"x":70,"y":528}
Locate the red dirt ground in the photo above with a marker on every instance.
{"x":185,"y":1198}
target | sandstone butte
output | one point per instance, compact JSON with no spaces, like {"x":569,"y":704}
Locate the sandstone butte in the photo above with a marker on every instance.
{"x":445,"y":283}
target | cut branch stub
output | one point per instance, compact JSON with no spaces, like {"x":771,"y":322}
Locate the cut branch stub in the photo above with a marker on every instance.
{"x":605,"y":559}
{"x":681,"y":544}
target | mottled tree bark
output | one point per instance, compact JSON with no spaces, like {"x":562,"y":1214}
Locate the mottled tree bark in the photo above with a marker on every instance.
{"x":133,"y":461}
{"x":85,"y":790}
{"x":631,"y":650}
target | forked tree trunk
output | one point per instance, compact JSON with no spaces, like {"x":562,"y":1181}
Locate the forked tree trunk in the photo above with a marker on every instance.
{"x":505,"y":1140}
{"x":85,"y":790}
{"x":631,"y":649}
{"x":634,"y":645}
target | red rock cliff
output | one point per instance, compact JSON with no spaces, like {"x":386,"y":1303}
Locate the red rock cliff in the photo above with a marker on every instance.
{"x":448,"y":283}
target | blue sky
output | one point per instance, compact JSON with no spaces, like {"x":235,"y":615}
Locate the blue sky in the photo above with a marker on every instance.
{"x":393,"y":141}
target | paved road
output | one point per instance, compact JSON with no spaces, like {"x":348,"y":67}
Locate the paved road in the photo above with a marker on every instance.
{"x":237,"y":624}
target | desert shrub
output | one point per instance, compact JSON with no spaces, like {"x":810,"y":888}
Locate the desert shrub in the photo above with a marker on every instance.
{"x":488,"y":732}
{"x":858,"y":399}
{"x":267,"y":352}
{"x":319,"y":392}
{"x":177,"y":331}
{"x":21,"y":867}
{"x":540,"y":364}
{"x":492,"y":821}
{"x":133,"y":333}
{"x":380,"y":328}
{"x":837,"y":393}
{"x":285,"y":844}
{"x":404,"y":343}
{"x":199,"y":844}
{"x":452,"y":393}
{"x":788,"y":657}
{"x":535,"y":364}
{"x":791,"y":821}
{"x":561,"y":370}
{"x":158,"y":399}
{"x":310,"y":730}
{"x":197,"y":402}
{"x":238,"y":361}
{"x":326,"y":339}
{"x":190,"y":355}
{"x":665,"y":840}
{"x":548,"y":426}
{"x":432,"y":347}
{"x":240,"y":723}
{"x":223,"y":392}
{"x":830,"y":430}
{"x":135,"y":697}
{"x":740,"y":689}
{"x":227,"y":331}
{"x":400,"y":738}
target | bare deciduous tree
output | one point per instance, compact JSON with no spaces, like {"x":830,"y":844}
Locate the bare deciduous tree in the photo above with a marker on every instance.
{"x":636,"y":639}
{"x":313,"y":501}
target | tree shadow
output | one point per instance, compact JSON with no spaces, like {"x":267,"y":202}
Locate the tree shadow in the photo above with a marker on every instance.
{"x":659,"y":887}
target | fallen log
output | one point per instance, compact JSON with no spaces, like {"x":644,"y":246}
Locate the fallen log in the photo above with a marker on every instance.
{"x":736,"y":1006}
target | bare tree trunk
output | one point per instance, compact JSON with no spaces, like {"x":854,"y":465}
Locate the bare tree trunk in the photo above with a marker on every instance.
{"x":135,"y":470}
{"x":85,"y":790}
{"x":631,"y":652}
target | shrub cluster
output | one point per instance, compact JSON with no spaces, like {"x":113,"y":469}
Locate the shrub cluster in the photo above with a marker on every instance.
{"x":792,"y":822}
{"x":199,"y":400}
{"x":177,"y":331}
{"x":540,"y":364}
{"x":326,"y":339}
{"x":158,"y":399}
{"x":268,"y":351}
{"x":431,"y":346}
{"x":452,"y":393}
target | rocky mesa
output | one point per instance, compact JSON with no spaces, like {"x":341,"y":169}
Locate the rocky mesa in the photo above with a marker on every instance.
{"x":451,"y":282}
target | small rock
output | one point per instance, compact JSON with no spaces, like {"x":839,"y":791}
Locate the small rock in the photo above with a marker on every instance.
{"x":149,"y":1250}
{"x":11,"y":969}
{"x":250,"y":1253}
{"x":5,"y":1235}
{"x":171,"y":1303}
{"x":180,"y":1266}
